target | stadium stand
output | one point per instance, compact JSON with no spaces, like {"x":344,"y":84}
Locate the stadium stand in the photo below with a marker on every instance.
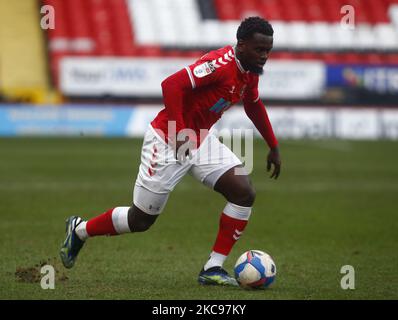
{"x":116,"y":53}
{"x":299,"y":24}
{"x":304,"y":29}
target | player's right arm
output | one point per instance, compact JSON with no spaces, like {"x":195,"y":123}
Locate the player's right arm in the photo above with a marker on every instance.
{"x":173,"y":89}
{"x":199,"y":74}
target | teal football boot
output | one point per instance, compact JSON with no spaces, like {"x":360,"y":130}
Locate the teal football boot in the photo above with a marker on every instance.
{"x":216,"y":276}
{"x":72,"y":244}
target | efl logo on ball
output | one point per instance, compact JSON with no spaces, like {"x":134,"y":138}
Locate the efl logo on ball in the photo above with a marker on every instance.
{"x":255,"y":269}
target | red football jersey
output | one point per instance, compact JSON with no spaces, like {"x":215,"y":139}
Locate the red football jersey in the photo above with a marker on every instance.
{"x":216,"y":82}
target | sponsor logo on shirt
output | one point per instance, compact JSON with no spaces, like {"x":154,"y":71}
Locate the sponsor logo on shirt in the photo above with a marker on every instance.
{"x":221,"y":106}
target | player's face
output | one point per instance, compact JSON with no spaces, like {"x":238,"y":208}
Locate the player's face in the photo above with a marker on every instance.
{"x":254,"y":52}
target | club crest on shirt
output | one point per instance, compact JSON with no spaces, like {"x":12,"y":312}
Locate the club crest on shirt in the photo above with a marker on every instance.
{"x":204,"y":69}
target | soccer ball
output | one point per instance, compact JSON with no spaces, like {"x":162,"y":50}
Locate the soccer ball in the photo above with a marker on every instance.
{"x":255,"y":269}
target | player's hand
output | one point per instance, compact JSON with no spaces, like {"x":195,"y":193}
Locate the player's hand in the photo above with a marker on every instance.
{"x":274,"y":158}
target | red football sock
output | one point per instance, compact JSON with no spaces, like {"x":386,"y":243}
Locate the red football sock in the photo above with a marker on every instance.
{"x":101,"y":225}
{"x":229,"y":232}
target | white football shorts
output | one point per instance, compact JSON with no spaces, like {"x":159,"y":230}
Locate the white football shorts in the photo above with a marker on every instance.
{"x":160,"y":171}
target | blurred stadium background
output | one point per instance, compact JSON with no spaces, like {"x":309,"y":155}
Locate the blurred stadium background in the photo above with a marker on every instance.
{"x":113,"y":53}
{"x":331,"y":91}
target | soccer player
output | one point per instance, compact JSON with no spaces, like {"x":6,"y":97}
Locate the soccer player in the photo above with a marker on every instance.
{"x":195,"y":98}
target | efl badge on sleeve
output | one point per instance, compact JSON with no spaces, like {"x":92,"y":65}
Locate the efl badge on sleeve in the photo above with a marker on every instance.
{"x":203,"y":69}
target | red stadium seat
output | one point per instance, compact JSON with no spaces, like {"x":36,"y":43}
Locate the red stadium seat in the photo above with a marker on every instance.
{"x":392,"y":58}
{"x":227,"y":9}
{"x":329,"y":57}
{"x":61,"y":25}
{"x":374,"y":58}
{"x":121,"y":29}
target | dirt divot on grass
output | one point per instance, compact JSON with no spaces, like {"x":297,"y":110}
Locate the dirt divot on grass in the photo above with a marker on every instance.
{"x":32,"y":274}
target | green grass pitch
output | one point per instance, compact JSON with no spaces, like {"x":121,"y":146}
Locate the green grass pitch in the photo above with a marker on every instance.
{"x":335,"y":204}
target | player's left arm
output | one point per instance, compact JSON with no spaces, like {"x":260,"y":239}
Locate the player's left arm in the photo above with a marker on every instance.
{"x":257,"y":113}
